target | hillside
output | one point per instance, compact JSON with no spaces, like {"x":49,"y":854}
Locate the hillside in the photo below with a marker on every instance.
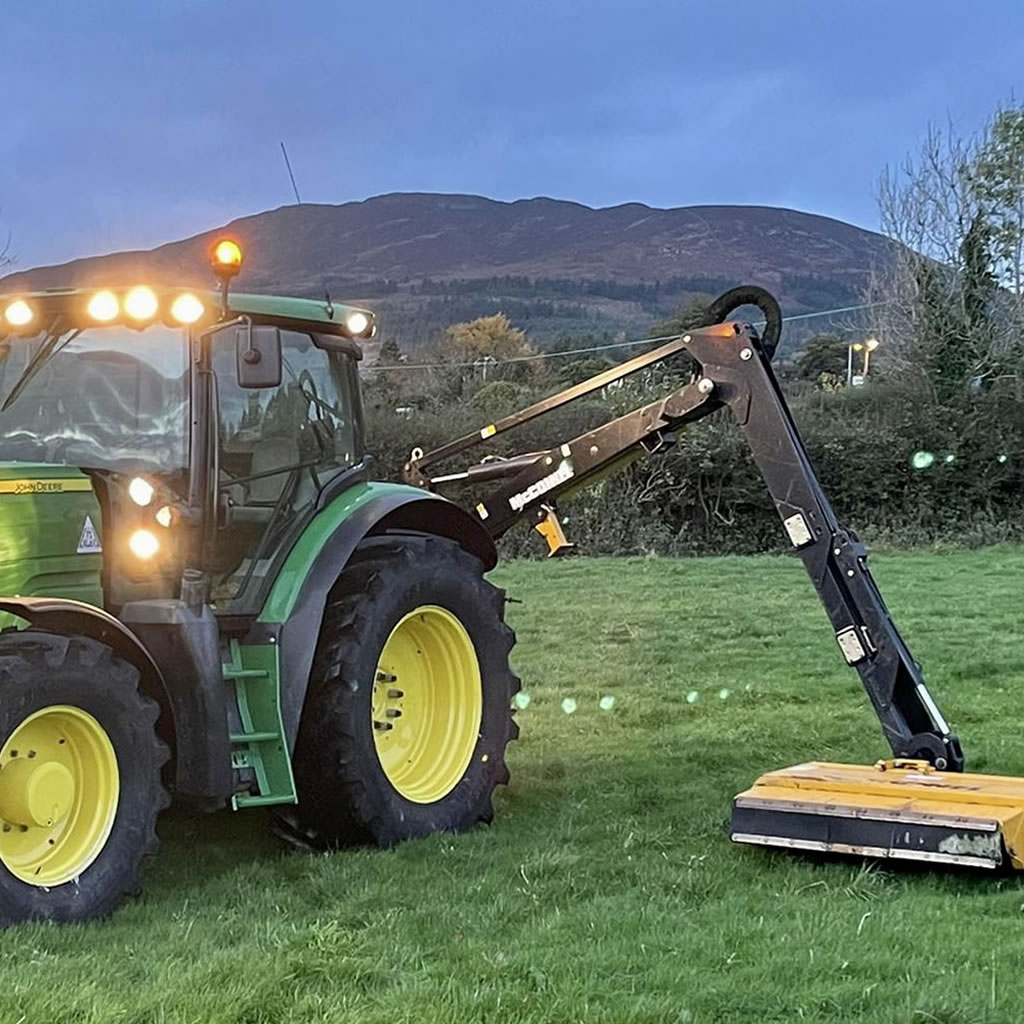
{"x":423,"y":260}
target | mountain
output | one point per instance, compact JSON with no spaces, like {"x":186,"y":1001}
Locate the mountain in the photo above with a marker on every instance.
{"x":558,"y":268}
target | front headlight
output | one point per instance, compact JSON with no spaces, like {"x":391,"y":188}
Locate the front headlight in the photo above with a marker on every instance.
{"x":143,"y":544}
{"x":187,"y":308}
{"x":19,"y":313}
{"x":104,"y":307}
{"x":141,"y":303}
{"x":141,"y":491}
{"x":356,"y":323}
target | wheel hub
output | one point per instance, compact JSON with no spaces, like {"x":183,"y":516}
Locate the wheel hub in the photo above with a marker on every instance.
{"x":59,"y":789}
{"x":427,"y":704}
{"x":33,"y":793}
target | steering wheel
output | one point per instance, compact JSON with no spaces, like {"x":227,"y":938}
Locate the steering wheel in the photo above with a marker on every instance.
{"x":323,"y":427}
{"x":307,"y":385}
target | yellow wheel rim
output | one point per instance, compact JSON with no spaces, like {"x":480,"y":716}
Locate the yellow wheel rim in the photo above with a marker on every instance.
{"x":427,"y":704}
{"x":59,"y":785}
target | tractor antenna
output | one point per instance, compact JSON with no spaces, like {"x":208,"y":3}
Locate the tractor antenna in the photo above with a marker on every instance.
{"x":291,"y":176}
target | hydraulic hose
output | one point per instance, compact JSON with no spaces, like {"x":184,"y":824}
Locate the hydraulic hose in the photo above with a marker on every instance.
{"x":750,"y":295}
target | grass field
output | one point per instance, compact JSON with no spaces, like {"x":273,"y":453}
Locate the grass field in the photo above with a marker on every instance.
{"x":607,"y":889}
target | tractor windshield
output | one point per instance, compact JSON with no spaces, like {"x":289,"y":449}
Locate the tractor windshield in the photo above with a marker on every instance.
{"x":99,"y":398}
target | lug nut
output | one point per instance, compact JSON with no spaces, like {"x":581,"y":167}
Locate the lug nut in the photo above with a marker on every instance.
{"x":395,"y":694}
{"x":386,"y":677}
{"x":705,"y":385}
{"x":383,"y":726}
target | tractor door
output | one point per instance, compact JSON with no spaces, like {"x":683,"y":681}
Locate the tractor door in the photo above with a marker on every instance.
{"x":279,"y":447}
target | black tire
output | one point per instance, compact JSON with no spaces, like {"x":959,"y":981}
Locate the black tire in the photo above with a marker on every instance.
{"x":345,"y":796}
{"x":40,"y":670}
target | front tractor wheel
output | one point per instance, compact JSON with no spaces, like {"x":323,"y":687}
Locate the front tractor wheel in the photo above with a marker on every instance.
{"x":408,"y":713}
{"x":79,"y":778}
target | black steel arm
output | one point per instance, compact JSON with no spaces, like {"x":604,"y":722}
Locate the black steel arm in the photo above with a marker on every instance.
{"x":834,"y":558}
{"x":734,"y":371}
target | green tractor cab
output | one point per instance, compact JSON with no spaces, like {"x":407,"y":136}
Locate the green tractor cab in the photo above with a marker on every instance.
{"x":208,"y":600}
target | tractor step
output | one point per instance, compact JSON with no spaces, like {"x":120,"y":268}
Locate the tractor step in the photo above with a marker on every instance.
{"x":261,"y":745}
{"x":900,"y":809}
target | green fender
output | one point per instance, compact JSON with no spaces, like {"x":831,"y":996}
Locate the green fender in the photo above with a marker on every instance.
{"x":293,"y":612}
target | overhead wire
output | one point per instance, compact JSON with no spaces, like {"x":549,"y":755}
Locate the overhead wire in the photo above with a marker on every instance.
{"x":491,"y":361}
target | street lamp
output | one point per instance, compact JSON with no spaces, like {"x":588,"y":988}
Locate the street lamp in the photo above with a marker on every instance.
{"x":854,"y":346}
{"x":869,"y":346}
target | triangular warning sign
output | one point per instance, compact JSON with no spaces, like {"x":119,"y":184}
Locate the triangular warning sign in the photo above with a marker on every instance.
{"x":89,"y":542}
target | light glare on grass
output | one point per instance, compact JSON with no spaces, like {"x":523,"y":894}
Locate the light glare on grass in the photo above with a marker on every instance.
{"x":922,"y":460}
{"x":569,"y":705}
{"x":606,"y":703}
{"x":521,"y":700}
{"x":691,"y":697}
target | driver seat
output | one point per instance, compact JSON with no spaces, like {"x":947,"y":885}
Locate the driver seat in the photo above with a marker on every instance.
{"x":272,"y":453}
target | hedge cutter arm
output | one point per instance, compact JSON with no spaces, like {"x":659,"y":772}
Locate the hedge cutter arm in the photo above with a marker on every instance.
{"x":733,"y":370}
{"x":918,"y":806}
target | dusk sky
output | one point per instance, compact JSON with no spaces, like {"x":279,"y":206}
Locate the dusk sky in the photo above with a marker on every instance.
{"x":130,"y":124}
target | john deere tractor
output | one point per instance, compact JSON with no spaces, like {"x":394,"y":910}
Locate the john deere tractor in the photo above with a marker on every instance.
{"x":209,"y":601}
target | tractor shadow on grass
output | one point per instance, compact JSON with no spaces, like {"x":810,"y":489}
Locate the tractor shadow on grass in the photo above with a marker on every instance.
{"x":197,"y":848}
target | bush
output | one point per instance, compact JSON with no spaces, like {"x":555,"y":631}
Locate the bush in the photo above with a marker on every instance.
{"x":705,"y":495}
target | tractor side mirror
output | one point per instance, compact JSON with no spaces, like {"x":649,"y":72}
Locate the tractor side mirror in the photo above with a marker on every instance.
{"x":258,"y":355}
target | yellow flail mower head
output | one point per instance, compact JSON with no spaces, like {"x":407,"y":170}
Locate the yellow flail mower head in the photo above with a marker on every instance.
{"x":897,"y":809}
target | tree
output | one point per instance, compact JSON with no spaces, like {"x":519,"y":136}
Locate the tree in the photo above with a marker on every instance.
{"x":390,"y":354}
{"x":997,"y":179}
{"x":824,"y":355}
{"x":691,"y":312}
{"x":493,"y":350}
{"x":7,"y":259}
{"x":488,"y":336}
{"x":948,"y":304}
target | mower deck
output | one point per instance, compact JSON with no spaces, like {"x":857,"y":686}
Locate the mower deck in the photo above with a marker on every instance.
{"x":902,"y":809}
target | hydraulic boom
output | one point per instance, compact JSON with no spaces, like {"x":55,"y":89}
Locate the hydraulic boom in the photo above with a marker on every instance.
{"x":733,"y":370}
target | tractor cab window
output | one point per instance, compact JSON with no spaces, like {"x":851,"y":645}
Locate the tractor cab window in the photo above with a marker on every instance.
{"x":278,"y":448}
{"x":107,"y":398}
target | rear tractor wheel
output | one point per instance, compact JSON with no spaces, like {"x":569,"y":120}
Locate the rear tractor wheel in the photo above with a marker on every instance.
{"x":79,"y":778}
{"x":409,"y":709}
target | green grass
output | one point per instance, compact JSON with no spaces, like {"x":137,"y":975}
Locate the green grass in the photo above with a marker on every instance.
{"x":607,"y":889}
